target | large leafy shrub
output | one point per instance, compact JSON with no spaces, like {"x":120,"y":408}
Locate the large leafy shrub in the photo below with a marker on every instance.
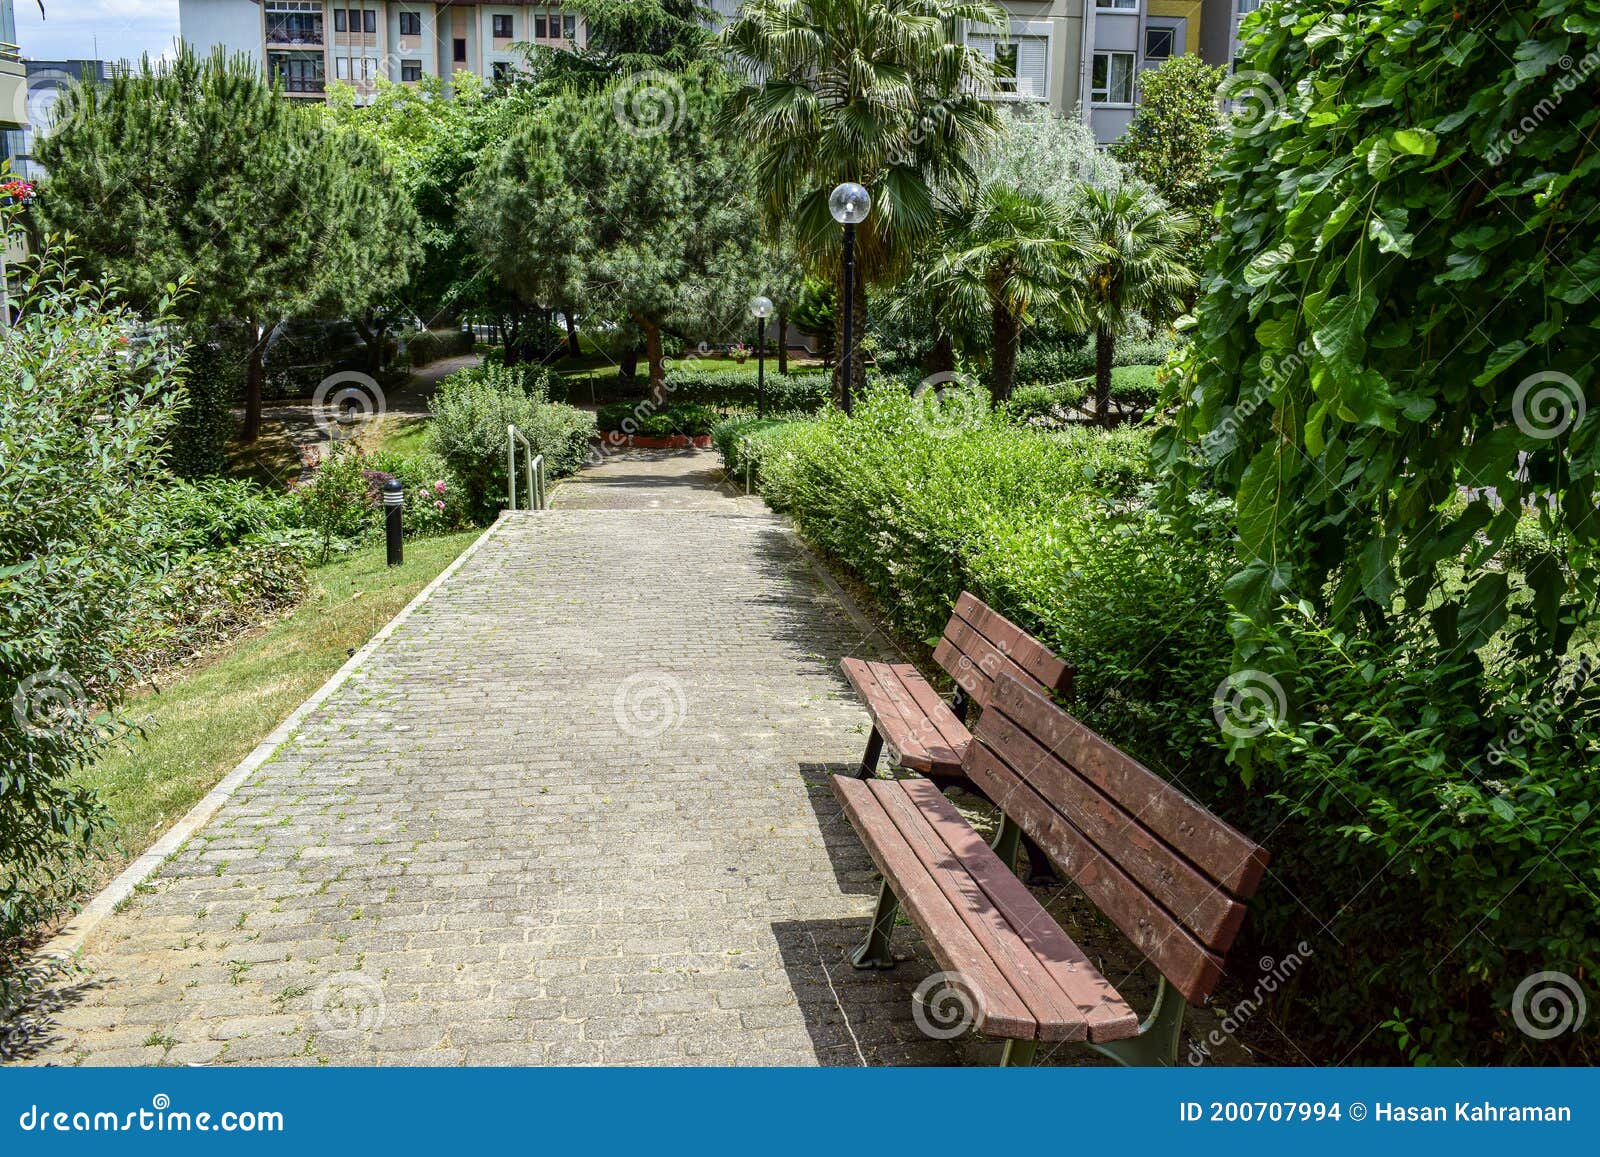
{"x":430,"y":345}
{"x":471,"y":411}
{"x":83,"y":412}
{"x":1404,"y":305}
{"x":643,"y":418}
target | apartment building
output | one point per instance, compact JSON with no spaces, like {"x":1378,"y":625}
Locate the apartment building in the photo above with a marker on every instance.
{"x":1084,"y":57}
{"x":307,"y":43}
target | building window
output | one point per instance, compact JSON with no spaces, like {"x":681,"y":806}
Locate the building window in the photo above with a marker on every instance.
{"x":1248,"y":6}
{"x":1160,"y":43}
{"x":1021,"y":63}
{"x":338,"y":20}
{"x":1112,"y":80}
{"x":502,"y":70}
{"x":569,"y":27}
{"x":502,"y":27}
{"x":411,"y":71}
{"x":410,"y":24}
{"x":293,"y":22}
{"x":369,"y":21}
{"x":459,"y":53}
{"x":1127,"y":5}
{"x":541,"y":28}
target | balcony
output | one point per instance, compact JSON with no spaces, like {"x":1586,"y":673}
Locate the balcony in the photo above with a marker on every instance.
{"x":287,"y":33}
{"x":304,"y":84}
{"x":13,"y":88}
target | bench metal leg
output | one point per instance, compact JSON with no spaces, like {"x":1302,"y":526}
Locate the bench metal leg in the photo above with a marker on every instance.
{"x":1041,"y":872}
{"x":1018,"y":1054}
{"x":875,"y":952}
{"x":869,"y":761}
{"x":1157,"y":1042}
{"x":1005,"y":842}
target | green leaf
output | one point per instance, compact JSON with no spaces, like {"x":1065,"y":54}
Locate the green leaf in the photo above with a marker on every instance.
{"x":1339,"y":335}
{"x":1414,"y":142}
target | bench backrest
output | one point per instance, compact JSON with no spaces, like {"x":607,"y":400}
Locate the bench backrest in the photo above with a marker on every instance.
{"x":980,"y":644}
{"x":1172,"y":876}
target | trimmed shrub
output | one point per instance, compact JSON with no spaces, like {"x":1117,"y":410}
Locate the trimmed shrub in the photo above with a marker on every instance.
{"x":640,"y":418}
{"x":728,"y":389}
{"x":471,"y":411}
{"x":1050,"y":363}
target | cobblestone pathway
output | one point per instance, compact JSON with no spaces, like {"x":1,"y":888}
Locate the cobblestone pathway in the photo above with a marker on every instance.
{"x":573,"y":810}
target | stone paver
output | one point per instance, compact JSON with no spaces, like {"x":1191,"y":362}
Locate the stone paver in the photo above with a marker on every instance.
{"x":573,"y":811}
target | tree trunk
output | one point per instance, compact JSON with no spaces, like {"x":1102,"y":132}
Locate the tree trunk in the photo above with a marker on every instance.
{"x":255,"y":376}
{"x":628,"y":364}
{"x":940,"y":358}
{"x":783,"y":341}
{"x":510,"y":347}
{"x":373,"y":328}
{"x":652,"y":349}
{"x":1003,"y":372}
{"x":574,"y":347}
{"x":1105,"y":346}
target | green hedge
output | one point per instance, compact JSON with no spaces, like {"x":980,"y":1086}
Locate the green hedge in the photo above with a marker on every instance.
{"x":1060,"y":362}
{"x":1376,"y":797}
{"x":429,"y":345}
{"x":649,"y":421}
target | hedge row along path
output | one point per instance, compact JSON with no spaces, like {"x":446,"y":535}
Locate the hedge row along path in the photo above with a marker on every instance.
{"x":572,"y":810}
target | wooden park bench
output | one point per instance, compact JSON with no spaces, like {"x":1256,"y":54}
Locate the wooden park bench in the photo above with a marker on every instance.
{"x":1172,"y":876}
{"x":921,"y":731}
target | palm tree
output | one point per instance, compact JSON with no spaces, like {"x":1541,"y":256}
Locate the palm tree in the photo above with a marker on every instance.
{"x":1135,"y":244}
{"x":882,"y":92}
{"x":1005,"y":260}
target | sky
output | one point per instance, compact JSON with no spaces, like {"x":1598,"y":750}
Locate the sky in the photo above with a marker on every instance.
{"x":96,"y":29}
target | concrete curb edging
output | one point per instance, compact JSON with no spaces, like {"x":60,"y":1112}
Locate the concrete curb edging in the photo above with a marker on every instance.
{"x":68,"y":942}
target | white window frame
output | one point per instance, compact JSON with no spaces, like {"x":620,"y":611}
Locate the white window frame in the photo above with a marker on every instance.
{"x":1118,"y":5}
{"x":1104,"y":101}
{"x":1022,"y":29}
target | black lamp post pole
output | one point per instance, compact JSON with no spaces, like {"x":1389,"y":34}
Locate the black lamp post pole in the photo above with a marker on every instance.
{"x":847,"y":354}
{"x":761,"y":367}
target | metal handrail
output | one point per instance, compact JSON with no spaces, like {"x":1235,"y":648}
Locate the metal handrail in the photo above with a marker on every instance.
{"x":533,"y":466}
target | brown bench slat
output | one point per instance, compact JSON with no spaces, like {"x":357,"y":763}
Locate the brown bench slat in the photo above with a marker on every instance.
{"x":1105,"y":1013}
{"x":1199,"y":904}
{"x":1182,"y":959}
{"x":974,"y":684}
{"x":905,"y":729}
{"x":1002,"y":1011}
{"x":1220,"y":851}
{"x":1059,"y":1017}
{"x":978,"y":652}
{"x":1011,"y":640}
{"x":936,"y":710}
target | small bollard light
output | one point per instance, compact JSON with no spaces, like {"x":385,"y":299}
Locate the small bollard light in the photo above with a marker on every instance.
{"x":394,"y":497}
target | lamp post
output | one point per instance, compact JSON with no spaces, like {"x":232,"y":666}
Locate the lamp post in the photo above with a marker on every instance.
{"x":761,"y":309}
{"x":849,"y":203}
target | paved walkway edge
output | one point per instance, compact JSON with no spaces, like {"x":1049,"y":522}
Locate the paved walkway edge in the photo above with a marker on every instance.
{"x":68,"y":942}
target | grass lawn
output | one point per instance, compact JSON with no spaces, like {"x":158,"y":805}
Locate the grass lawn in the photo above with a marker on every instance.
{"x":200,"y":726}
{"x":399,"y":433}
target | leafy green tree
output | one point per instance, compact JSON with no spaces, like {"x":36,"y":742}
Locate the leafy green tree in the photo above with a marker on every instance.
{"x":373,"y":243}
{"x":1177,"y":140}
{"x":85,"y":405}
{"x":433,"y":139}
{"x":882,"y":92}
{"x":1134,"y":264}
{"x":622,"y":37}
{"x":658,"y":230}
{"x":197,"y":171}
